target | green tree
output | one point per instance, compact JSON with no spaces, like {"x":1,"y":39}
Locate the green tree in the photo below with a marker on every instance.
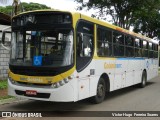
{"x":148,"y":19}
{"x":25,"y":6}
{"x":33,"y":6}
{"x":127,"y":13}
{"x":121,"y":11}
{"x":6,"y":10}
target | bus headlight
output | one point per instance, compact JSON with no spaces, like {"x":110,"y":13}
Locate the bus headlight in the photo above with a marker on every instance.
{"x":66,"y":80}
{"x":11,"y":80}
{"x":54,"y":85}
{"x":60,"y":83}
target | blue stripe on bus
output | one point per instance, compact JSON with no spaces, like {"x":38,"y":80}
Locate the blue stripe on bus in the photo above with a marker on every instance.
{"x":130,"y":58}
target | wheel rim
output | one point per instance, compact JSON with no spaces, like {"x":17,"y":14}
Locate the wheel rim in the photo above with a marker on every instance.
{"x":100,"y":90}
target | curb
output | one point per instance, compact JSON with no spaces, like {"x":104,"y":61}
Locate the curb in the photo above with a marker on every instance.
{"x":11,"y":100}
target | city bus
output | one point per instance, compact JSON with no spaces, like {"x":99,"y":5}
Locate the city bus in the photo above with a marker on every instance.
{"x":66,"y":57}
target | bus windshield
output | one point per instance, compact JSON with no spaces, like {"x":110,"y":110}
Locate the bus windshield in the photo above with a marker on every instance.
{"x":50,"y":48}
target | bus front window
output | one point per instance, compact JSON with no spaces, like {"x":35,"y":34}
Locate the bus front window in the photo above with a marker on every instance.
{"x":54,"y":47}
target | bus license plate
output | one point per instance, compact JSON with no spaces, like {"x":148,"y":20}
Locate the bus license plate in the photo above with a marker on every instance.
{"x":31,"y":92}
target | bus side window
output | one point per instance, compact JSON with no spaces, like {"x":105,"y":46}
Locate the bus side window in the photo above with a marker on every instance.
{"x":138,"y":51}
{"x":84,"y":45}
{"x":104,"y":42}
{"x":129,"y":43}
{"x":118,"y":43}
{"x":145,"y":49}
{"x":87,"y":45}
{"x":79,"y":45}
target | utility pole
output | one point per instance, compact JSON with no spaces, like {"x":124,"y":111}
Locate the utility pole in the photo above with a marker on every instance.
{"x":17,"y":7}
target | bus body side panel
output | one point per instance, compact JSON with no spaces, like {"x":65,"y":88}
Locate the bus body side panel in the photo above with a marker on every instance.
{"x":134,"y":71}
{"x":89,"y":77}
{"x":105,"y":66}
{"x":151,"y":67}
{"x":156,"y":66}
{"x":120,"y":73}
{"x":124,"y":72}
{"x":139,"y":67}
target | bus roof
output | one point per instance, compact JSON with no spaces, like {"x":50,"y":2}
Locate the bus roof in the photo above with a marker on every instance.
{"x":99,"y":22}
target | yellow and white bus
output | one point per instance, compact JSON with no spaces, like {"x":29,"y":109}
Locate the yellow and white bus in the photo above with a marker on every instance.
{"x":64,"y":56}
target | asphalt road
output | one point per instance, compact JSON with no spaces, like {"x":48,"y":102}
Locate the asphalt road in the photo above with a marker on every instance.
{"x":127,"y":99}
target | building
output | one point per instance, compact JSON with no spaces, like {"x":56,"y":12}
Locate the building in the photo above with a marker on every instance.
{"x":5,"y":21}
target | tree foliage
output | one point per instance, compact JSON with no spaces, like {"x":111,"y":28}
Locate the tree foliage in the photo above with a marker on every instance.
{"x":148,"y":19}
{"x":33,"y":6}
{"x":121,"y":11}
{"x":6,"y":10}
{"x":142,"y":14}
{"x":25,"y":6}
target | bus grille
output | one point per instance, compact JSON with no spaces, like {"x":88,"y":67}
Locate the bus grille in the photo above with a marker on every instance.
{"x":35,"y":85}
{"x":33,"y":72}
{"x":38,"y":71}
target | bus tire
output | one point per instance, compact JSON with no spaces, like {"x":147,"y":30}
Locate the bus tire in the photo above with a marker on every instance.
{"x":143,"y":80}
{"x":101,"y":92}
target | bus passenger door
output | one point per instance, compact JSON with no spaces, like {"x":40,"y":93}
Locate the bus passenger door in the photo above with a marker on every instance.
{"x":84,"y":55}
{"x":84,"y":64}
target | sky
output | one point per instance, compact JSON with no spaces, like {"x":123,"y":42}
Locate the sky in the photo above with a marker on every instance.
{"x":57,"y":4}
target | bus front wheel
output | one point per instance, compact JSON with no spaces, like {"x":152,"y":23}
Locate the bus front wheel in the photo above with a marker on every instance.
{"x":101,"y":91}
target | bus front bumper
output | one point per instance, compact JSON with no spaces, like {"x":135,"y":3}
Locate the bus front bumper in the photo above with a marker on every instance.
{"x":64,"y":93}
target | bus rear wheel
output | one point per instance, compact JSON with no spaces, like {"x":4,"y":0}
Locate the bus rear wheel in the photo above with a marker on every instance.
{"x":144,"y":80}
{"x":101,"y":92}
